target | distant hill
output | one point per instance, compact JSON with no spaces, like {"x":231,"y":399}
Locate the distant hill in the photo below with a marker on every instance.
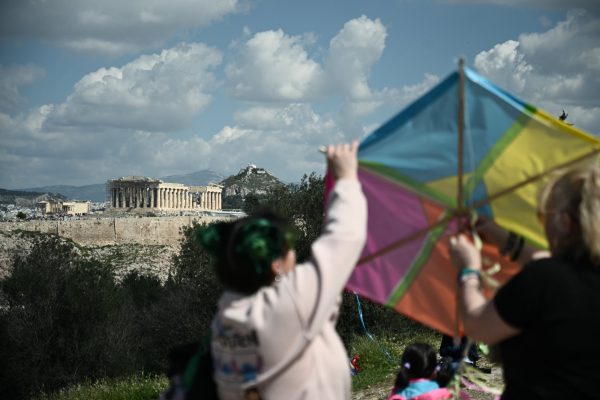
{"x":27,"y":199}
{"x":251,"y":179}
{"x":97,"y":192}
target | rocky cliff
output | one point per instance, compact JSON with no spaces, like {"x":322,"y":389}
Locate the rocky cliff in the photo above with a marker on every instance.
{"x":251,"y":179}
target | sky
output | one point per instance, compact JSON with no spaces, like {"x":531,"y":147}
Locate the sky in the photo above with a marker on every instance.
{"x":96,"y":90}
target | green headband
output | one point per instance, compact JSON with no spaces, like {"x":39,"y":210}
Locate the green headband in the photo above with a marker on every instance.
{"x":257,"y":240}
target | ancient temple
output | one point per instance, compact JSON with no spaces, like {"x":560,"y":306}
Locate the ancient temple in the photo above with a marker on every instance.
{"x":138,"y":192}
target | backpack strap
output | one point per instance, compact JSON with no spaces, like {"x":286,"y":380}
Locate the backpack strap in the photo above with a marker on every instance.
{"x":310,"y":330}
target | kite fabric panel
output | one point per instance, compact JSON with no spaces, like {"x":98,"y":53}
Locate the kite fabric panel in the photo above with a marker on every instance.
{"x":409,"y":172}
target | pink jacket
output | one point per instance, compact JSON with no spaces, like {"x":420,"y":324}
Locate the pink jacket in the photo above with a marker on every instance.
{"x":289,"y":327}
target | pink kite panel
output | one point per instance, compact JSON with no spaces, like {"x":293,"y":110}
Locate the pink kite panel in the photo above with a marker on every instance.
{"x":394,"y":213}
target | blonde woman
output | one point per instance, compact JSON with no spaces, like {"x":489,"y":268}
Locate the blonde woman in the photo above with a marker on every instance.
{"x":546,"y":320}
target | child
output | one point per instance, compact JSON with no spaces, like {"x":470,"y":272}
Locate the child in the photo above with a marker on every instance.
{"x":417,"y":378}
{"x":274,"y":330}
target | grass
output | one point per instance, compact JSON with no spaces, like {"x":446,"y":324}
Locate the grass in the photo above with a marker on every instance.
{"x":131,"y":388}
{"x":379,"y":362}
{"x":380,"y":356}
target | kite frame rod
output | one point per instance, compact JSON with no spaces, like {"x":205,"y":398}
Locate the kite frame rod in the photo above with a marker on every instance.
{"x":461,"y":128}
{"x":527,"y":181}
{"x":406,"y":239}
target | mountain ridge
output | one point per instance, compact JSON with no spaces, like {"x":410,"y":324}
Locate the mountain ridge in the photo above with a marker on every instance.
{"x":27,"y":199}
{"x":251,"y":179}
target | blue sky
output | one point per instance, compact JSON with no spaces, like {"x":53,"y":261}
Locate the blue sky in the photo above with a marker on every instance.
{"x":91,"y":91}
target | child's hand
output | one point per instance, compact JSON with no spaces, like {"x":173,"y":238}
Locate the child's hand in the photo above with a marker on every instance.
{"x":463,"y":253}
{"x":342,"y":160}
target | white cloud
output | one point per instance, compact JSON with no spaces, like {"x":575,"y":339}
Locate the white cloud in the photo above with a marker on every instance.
{"x":274,"y":66}
{"x":557,"y":69}
{"x":11,"y":79}
{"x":156,"y":92}
{"x":395,"y":99}
{"x":108,"y":26}
{"x":32,"y":154}
{"x":128,"y":120}
{"x":117,"y":121}
{"x":352,"y":54}
{"x":506,"y":65}
{"x":282,"y":139}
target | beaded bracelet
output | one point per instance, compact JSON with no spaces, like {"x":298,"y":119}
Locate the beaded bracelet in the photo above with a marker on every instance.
{"x":467,"y":273}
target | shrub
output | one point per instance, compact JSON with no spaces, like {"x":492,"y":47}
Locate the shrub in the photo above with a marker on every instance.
{"x":56,"y":318}
{"x":186,"y":306}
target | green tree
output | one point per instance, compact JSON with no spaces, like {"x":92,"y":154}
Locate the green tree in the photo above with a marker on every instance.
{"x":301,"y":203}
{"x":233,"y":202}
{"x":186,"y":306}
{"x":251,"y":203}
{"x":57,"y":318}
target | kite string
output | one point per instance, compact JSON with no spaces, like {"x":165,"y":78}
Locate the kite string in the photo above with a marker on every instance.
{"x":387,"y":354}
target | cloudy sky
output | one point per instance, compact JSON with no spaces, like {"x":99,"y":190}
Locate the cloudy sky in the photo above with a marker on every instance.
{"x":94,"y":90}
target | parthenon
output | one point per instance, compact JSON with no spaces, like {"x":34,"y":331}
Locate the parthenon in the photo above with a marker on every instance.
{"x":138,"y":192}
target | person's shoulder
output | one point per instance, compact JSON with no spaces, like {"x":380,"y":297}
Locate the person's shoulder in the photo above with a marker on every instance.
{"x":548,"y":262}
{"x":546,"y":270}
{"x":548,"y":265}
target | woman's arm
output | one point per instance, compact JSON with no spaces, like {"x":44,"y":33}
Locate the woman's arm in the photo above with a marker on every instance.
{"x":500,"y":237}
{"x":480,"y":317}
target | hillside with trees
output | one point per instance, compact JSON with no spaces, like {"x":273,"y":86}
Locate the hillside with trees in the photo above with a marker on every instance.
{"x":67,"y":317}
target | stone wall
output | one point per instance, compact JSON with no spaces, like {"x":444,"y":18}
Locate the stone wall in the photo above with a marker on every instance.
{"x":114,"y":231}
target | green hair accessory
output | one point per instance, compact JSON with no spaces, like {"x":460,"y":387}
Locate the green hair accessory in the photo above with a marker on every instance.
{"x":259,"y":241}
{"x":262,"y":242}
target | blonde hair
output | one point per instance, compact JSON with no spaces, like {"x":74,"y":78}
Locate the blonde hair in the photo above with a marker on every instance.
{"x":577,"y":192}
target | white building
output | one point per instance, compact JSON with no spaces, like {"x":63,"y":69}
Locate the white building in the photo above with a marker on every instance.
{"x":64,"y":207}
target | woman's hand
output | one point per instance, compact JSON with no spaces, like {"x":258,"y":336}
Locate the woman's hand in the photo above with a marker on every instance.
{"x":342,"y":160}
{"x":491,"y":232}
{"x":463,"y":253}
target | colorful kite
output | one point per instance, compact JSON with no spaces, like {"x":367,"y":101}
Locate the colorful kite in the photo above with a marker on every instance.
{"x":465,"y":146}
